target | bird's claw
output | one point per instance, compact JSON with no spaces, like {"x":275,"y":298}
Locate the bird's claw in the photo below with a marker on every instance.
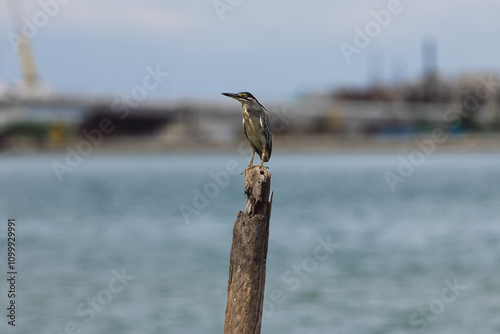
{"x":248,"y":168}
{"x":253,"y":166}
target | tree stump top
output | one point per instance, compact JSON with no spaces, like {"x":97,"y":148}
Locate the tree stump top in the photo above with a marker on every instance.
{"x":257,"y":188}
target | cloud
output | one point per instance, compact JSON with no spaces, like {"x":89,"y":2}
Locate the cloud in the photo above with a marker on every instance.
{"x":92,"y":17}
{"x":127,"y":17}
{"x":290,"y":39}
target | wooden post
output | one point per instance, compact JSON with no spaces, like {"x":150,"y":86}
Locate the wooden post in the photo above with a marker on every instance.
{"x":247,"y":267}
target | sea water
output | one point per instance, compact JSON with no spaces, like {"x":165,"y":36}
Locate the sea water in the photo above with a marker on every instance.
{"x":140,"y":243}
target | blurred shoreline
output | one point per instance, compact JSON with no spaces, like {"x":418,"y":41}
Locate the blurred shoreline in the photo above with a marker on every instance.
{"x":317,"y":143}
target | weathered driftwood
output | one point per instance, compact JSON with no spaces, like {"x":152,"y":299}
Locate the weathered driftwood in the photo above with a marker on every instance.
{"x":247,"y":268}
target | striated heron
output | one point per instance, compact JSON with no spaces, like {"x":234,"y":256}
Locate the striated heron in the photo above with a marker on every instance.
{"x":255,"y":126}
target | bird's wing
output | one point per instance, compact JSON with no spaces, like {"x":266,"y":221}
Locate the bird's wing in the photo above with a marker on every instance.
{"x":264,"y":123}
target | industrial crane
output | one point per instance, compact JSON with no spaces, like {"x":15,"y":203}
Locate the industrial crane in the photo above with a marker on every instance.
{"x":25,"y":52}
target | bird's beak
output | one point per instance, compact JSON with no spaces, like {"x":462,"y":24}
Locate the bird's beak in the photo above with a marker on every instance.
{"x":234,"y":96}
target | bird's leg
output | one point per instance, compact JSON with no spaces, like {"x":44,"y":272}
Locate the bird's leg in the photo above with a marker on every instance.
{"x":262,"y":158}
{"x":250,"y":166}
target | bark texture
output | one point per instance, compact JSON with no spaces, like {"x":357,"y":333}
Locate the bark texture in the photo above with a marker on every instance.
{"x":247,"y":268}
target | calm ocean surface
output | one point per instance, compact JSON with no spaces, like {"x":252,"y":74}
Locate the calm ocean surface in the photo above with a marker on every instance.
{"x":108,"y":250}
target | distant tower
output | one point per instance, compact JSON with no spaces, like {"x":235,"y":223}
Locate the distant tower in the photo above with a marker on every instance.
{"x":431,"y":87}
{"x":375,"y":67}
{"x":429,"y":58}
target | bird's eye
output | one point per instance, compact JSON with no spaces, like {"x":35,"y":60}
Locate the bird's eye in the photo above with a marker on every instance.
{"x":243,"y":96}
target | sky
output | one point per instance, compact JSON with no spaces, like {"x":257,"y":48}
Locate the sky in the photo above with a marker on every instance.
{"x":275,"y":49}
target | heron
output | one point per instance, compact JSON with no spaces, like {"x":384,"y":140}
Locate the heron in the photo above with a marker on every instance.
{"x":256,"y":127}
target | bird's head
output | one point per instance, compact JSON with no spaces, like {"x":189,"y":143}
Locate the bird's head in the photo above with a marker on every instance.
{"x":243,"y":97}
